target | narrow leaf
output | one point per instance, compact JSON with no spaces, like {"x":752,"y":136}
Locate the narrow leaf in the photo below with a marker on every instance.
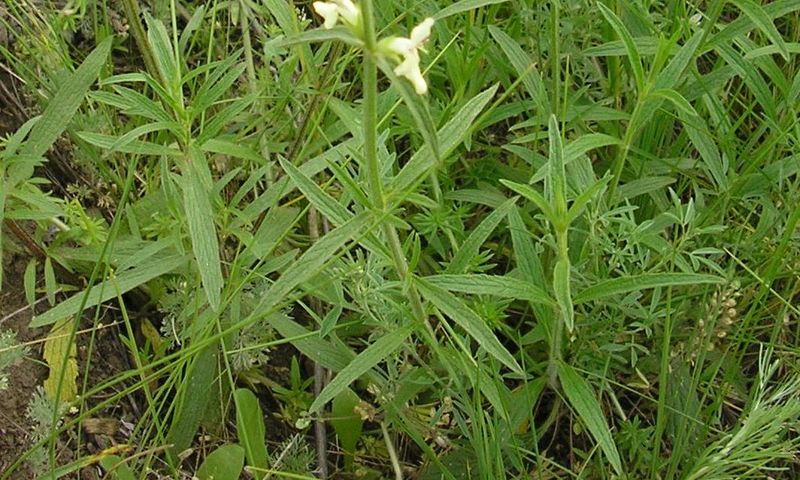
{"x":496,"y":285}
{"x":562,"y":290}
{"x":764,"y":23}
{"x":250,"y":429}
{"x":66,"y":101}
{"x":630,"y":46}
{"x":363,"y":363}
{"x":123,"y":282}
{"x":449,"y":137}
{"x":634,"y":283}
{"x":467,"y":319}
{"x":583,"y":399}
{"x":464,"y":6}
{"x":471,"y":246}
{"x":200,"y":217}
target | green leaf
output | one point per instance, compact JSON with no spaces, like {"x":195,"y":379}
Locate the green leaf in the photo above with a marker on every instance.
{"x":137,"y":147}
{"x":200,"y":217}
{"x":471,"y":246}
{"x":217,"y":84}
{"x":330,"y":354}
{"x":764,"y":23}
{"x":698,"y":131}
{"x":523,"y":65}
{"x":752,"y":77}
{"x":449,"y":137}
{"x":583,"y":399}
{"x":347,"y":424}
{"x":640,"y":186}
{"x":464,"y":6}
{"x":65,"y":102}
{"x":29,"y":280}
{"x":585,"y":197}
{"x":313,"y":259}
{"x":635,"y":283}
{"x":467,"y":319}
{"x":232,"y":148}
{"x":535,"y":197}
{"x":630,"y":46}
{"x":50,"y":284}
{"x":496,"y":285}
{"x":557,"y":176}
{"x":363,"y":363}
{"x":585,"y":143}
{"x":671,"y":75}
{"x":164,"y":55}
{"x":121,"y":283}
{"x":118,"y":468}
{"x":676,"y":99}
{"x":193,"y":399}
{"x":562,"y":291}
{"x":324,"y":203}
{"x":224,"y":463}
{"x":250,"y":429}
{"x":341,"y":34}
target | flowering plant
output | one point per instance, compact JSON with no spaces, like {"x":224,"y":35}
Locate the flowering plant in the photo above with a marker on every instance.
{"x":404,"y":50}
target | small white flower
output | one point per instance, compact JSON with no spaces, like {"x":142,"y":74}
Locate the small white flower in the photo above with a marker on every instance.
{"x":408,"y":51}
{"x":331,"y":11}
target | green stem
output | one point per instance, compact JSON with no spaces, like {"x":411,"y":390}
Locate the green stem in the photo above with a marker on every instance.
{"x":627,"y":141}
{"x":370,"y":126}
{"x":370,"y":85}
{"x":557,"y":333}
{"x":133,"y":14}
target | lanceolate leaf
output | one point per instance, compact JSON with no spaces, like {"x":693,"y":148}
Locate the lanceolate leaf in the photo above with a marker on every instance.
{"x":633,"y":283}
{"x":363,"y":363}
{"x":449,"y":137}
{"x":467,"y":319}
{"x":630,"y":46}
{"x":200,"y":217}
{"x":584,"y":401}
{"x":471,"y":246}
{"x":123,"y":282}
{"x":250,"y":428}
{"x":501,"y":286}
{"x":463,"y":6}
{"x":66,"y":101}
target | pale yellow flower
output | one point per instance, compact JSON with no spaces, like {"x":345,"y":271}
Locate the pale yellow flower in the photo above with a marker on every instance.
{"x":408,"y":51}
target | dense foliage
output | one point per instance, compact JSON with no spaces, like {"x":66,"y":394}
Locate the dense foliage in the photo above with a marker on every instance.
{"x":539,"y":240}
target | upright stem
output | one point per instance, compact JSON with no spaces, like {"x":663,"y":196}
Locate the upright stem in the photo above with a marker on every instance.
{"x":370,"y":85}
{"x":370,"y":126}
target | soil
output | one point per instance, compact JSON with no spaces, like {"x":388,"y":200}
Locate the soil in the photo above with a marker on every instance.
{"x":23,"y":377}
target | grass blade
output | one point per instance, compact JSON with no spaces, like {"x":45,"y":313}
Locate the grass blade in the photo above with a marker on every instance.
{"x":122,"y":283}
